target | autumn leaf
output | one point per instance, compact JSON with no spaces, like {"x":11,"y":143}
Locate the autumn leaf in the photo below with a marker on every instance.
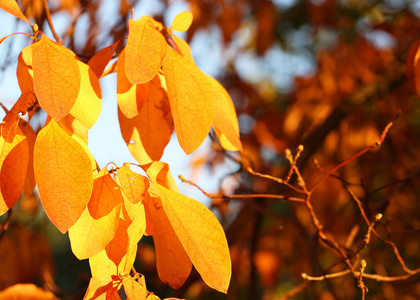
{"x":102,"y":288}
{"x":30,"y":183}
{"x":14,"y":159}
{"x":130,"y":97}
{"x":133,"y":185}
{"x":191,"y":99}
{"x":147,"y":134}
{"x":133,"y":289}
{"x":207,"y":248}
{"x":28,"y":291}
{"x":89,"y":100}
{"x":413,"y":67}
{"x":225,"y":121}
{"x":75,"y":128}
{"x":13,"y":8}
{"x":56,"y":77}
{"x":145,"y":50}
{"x":182,"y":21}
{"x":184,"y":48}
{"x":97,"y":225}
{"x":63,"y":172}
{"x":100,"y":60}
{"x":24,"y":72}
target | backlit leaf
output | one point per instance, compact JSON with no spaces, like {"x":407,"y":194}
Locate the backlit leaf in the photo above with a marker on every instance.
{"x":133,"y":185}
{"x":184,"y":48}
{"x":100,"y":60}
{"x":14,"y":159}
{"x":182,"y":21}
{"x":145,"y":50}
{"x":30,"y":182}
{"x":97,"y":225}
{"x":133,"y":289}
{"x":225,"y":120}
{"x":56,"y":77}
{"x":63,"y":172}
{"x":89,"y":100}
{"x":148,"y":133}
{"x":130,"y":97}
{"x":103,"y":288}
{"x":13,"y":8}
{"x":191,"y":100}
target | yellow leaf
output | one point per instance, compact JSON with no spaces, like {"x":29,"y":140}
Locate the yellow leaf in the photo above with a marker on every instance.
{"x":206,"y":247}
{"x":191,"y":100}
{"x":133,"y":289}
{"x":148,"y":133}
{"x":103,"y":288}
{"x":74,"y":127}
{"x":88,"y":104}
{"x":63,"y":172}
{"x":97,"y":225}
{"x":133,"y":185}
{"x":13,"y":8}
{"x":182,"y":21}
{"x":56,"y":77}
{"x":24,"y":72}
{"x":130,"y":97}
{"x":145,"y":50}
{"x":184,"y":48}
{"x":225,"y":120}
{"x":14,"y":159}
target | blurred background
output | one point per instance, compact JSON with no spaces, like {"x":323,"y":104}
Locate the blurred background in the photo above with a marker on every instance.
{"x":327,"y":74}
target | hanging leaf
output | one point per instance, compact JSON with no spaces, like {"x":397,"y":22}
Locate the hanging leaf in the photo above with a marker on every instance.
{"x":225,"y":120}
{"x":191,"y":98}
{"x":30,"y":135}
{"x":63,"y":172}
{"x":97,"y":225}
{"x":14,"y":159}
{"x":24,"y":72}
{"x":130,"y":97}
{"x":182,"y":21}
{"x":133,"y":185}
{"x":13,"y":8}
{"x":147,"y":134}
{"x":89,"y":100}
{"x":56,"y":77}
{"x":145,"y":50}
{"x":103,"y":288}
{"x":184,"y":48}
{"x":133,"y":289}
{"x":100,"y":60}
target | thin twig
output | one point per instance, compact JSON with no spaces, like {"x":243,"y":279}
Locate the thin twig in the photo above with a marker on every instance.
{"x":50,"y":23}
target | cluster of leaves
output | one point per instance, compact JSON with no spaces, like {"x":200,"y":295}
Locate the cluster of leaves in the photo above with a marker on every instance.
{"x":107,"y":211}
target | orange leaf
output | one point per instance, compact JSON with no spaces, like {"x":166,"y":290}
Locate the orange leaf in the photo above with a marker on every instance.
{"x":184,"y":48}
{"x":133,"y":185}
{"x":63,"y":172}
{"x":145,"y":50}
{"x":191,"y":100}
{"x":207,"y":248}
{"x":100,"y":60}
{"x":14,"y":159}
{"x":147,"y":134}
{"x":13,"y":8}
{"x":172,"y":262}
{"x":56,"y":77}
{"x":97,"y":225}
{"x":133,"y":289}
{"x":130,"y":97}
{"x":24,"y":72}
{"x":103,"y":288}
{"x":225,"y":120}
{"x":30,"y":183}
{"x":89,"y":100}
{"x":75,"y":127}
{"x":28,"y":291}
{"x":182,"y":21}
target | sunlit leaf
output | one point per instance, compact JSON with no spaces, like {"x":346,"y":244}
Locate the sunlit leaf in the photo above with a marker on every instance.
{"x":56,"y":77}
{"x":147,"y":134}
{"x":133,"y":289}
{"x":30,"y":182}
{"x":191,"y":99}
{"x":145,"y":50}
{"x":75,"y":127}
{"x":184,"y":48}
{"x":225,"y":120}
{"x":103,"y":288}
{"x":14,"y":159}
{"x":130,"y":97}
{"x":133,"y":185}
{"x":100,"y":60}
{"x":12,"y":7}
{"x":182,"y":21}
{"x":63,"y":172}
{"x":97,"y":225}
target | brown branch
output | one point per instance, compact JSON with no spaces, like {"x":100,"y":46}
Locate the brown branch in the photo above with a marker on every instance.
{"x":50,"y":23}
